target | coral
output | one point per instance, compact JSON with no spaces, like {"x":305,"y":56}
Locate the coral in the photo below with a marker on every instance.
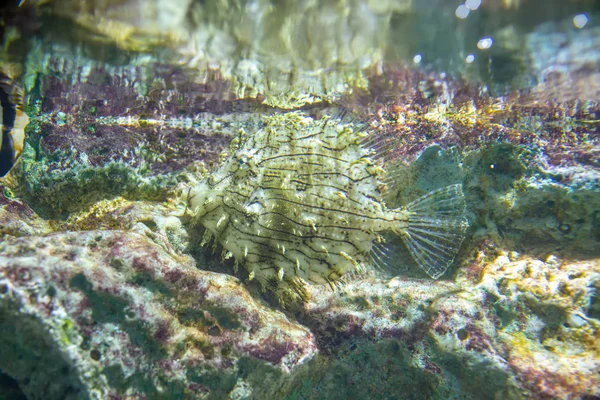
{"x":99,"y":314}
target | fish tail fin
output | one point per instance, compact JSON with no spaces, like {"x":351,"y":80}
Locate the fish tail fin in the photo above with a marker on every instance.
{"x":436,"y":228}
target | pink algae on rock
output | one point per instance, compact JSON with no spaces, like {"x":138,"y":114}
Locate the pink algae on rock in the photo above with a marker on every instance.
{"x":126,"y":319}
{"x":525,"y":321}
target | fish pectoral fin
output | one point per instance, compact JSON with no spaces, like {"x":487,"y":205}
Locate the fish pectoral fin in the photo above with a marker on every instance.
{"x":436,"y":229}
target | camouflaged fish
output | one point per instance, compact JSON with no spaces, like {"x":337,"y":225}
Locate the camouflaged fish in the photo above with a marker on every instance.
{"x":12,"y":124}
{"x":301,"y":201}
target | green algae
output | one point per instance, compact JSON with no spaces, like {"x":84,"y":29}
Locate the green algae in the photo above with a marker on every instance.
{"x":224,"y":318}
{"x":109,"y":308}
{"x":28,"y":355}
{"x":510,"y":198}
{"x":373,"y":370}
{"x":61,"y":184}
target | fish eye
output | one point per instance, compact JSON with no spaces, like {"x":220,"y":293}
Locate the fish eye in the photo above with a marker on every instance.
{"x":243,"y":161}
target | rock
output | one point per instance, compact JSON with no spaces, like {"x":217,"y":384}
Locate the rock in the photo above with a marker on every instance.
{"x":547,"y":327}
{"x":109,"y":314}
{"x":522,"y":326}
{"x":17,"y":218}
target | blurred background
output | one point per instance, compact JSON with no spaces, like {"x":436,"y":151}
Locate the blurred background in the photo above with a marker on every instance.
{"x":267,"y":46}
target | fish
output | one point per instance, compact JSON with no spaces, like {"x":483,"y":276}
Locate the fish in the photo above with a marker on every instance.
{"x":301,"y":201}
{"x":13,"y":121}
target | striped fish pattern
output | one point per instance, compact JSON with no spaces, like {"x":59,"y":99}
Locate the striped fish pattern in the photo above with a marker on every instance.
{"x":300,"y":201}
{"x":12,"y":124}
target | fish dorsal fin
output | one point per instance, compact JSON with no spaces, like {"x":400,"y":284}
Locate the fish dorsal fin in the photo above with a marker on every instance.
{"x":436,"y":228}
{"x":386,"y":147}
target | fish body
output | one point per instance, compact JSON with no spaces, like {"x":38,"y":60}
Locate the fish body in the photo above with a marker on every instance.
{"x":12,"y":126}
{"x":300,"y":201}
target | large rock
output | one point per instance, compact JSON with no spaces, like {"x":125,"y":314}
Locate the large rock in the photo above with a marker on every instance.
{"x":510,"y":327}
{"x":110,"y":314}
